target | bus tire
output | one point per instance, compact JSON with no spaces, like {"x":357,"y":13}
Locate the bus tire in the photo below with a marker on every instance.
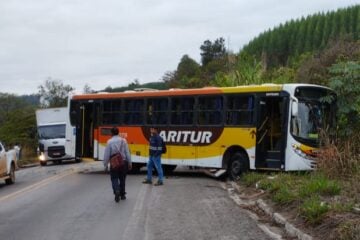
{"x":239,"y":163}
{"x":168,"y":169}
{"x":136,"y":168}
{"x":11,"y":178}
{"x":43,"y":163}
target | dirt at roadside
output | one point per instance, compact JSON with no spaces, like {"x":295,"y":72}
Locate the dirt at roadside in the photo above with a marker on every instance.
{"x":335,"y":225}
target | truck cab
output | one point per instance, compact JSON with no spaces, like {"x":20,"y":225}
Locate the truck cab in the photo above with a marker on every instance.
{"x":8,"y":164}
{"x":51,"y":127}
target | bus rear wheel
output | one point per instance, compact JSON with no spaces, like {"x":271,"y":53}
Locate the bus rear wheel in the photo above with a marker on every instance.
{"x":238,"y":164}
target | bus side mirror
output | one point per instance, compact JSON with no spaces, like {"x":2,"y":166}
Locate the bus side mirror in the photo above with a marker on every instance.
{"x":294,"y":109}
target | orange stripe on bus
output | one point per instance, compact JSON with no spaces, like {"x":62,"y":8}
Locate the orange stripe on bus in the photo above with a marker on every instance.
{"x":183,"y":92}
{"x":180,"y":92}
{"x":133,"y":135}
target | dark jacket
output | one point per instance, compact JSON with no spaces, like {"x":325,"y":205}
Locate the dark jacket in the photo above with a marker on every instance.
{"x":156,"y":143}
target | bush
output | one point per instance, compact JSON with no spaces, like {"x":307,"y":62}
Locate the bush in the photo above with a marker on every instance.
{"x":342,"y":159}
{"x":284,"y":195}
{"x":313,"y":210}
{"x":318,"y":183}
{"x":251,"y":178}
{"x":270,"y":185}
{"x":28,"y":156}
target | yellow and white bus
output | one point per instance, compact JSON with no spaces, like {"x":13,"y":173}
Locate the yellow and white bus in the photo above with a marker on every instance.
{"x":268,"y":126}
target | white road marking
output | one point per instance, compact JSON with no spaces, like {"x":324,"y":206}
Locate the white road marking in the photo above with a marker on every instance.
{"x":38,"y":184}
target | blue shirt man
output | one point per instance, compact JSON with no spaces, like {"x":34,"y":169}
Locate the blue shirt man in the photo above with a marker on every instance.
{"x":155,"y":151}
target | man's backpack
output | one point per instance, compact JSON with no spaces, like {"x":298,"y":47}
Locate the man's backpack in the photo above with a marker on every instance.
{"x":163,"y":147}
{"x":117,"y":162}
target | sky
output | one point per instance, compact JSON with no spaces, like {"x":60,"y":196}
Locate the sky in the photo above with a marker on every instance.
{"x":103,"y":43}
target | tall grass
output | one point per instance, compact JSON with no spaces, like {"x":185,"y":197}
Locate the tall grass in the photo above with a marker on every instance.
{"x":313,"y":209}
{"x":319,"y":184}
{"x":342,"y":158}
{"x":28,"y":156}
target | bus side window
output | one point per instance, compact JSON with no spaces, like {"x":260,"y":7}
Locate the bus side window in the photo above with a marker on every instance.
{"x":210,"y":110}
{"x":133,"y":114}
{"x":157,"y":111}
{"x":239,"y":110}
{"x":182,"y":111}
{"x":111,"y":112}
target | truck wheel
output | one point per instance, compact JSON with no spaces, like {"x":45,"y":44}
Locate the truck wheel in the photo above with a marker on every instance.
{"x":239,"y":164}
{"x":43,"y":163}
{"x":11,"y":180}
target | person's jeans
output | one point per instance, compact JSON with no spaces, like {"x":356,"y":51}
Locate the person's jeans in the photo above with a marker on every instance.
{"x":155,"y":161}
{"x":118,"y":180}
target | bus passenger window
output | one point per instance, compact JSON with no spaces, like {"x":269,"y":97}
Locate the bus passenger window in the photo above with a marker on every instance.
{"x":133,"y":114}
{"x":157,"y":111}
{"x":239,"y":110}
{"x":111,"y":112}
{"x":210,"y":110}
{"x":182,"y":111}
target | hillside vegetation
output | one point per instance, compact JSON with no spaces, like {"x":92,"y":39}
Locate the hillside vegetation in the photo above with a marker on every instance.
{"x":324,"y":49}
{"x":285,"y":43}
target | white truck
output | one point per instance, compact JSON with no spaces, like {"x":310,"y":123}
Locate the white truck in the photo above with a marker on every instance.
{"x":8,"y":164}
{"x":51,"y":127}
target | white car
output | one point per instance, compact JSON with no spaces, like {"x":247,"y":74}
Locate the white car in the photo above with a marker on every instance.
{"x":8,"y":164}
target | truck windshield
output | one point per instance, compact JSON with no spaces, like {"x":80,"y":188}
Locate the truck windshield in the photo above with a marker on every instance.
{"x":315,"y":114}
{"x":51,"y":131}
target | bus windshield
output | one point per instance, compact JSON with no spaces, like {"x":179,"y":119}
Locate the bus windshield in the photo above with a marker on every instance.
{"x":314,"y":115}
{"x":51,"y":131}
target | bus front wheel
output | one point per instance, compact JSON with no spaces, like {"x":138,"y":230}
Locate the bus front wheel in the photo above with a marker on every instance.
{"x":238,"y":164}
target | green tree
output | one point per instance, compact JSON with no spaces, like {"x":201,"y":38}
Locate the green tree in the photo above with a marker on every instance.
{"x":314,"y":69}
{"x":345,"y":82}
{"x":20,"y":126}
{"x":318,"y":33}
{"x":17,"y":120}
{"x":301,"y":40}
{"x":87,"y":89}
{"x":54,"y":93}
{"x":211,"y":51}
{"x":185,"y":76}
{"x":248,"y":70}
{"x":134,"y":84}
{"x":187,"y":67}
{"x":326,"y":31}
{"x":169,"y":78}
{"x":9,"y":103}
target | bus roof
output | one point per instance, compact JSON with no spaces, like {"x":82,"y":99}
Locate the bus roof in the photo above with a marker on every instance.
{"x":183,"y":92}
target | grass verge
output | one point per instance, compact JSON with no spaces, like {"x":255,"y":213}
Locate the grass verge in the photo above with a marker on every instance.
{"x":312,"y":196}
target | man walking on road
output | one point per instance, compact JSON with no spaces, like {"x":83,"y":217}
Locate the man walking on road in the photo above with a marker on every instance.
{"x":116,"y":145}
{"x":155,"y":151}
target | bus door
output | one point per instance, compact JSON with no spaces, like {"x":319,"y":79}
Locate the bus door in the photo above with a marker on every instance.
{"x":95,"y":131}
{"x":85,"y":132}
{"x":271,"y":130}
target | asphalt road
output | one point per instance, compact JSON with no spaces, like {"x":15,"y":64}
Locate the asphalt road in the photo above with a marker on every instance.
{"x":75,"y":201}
